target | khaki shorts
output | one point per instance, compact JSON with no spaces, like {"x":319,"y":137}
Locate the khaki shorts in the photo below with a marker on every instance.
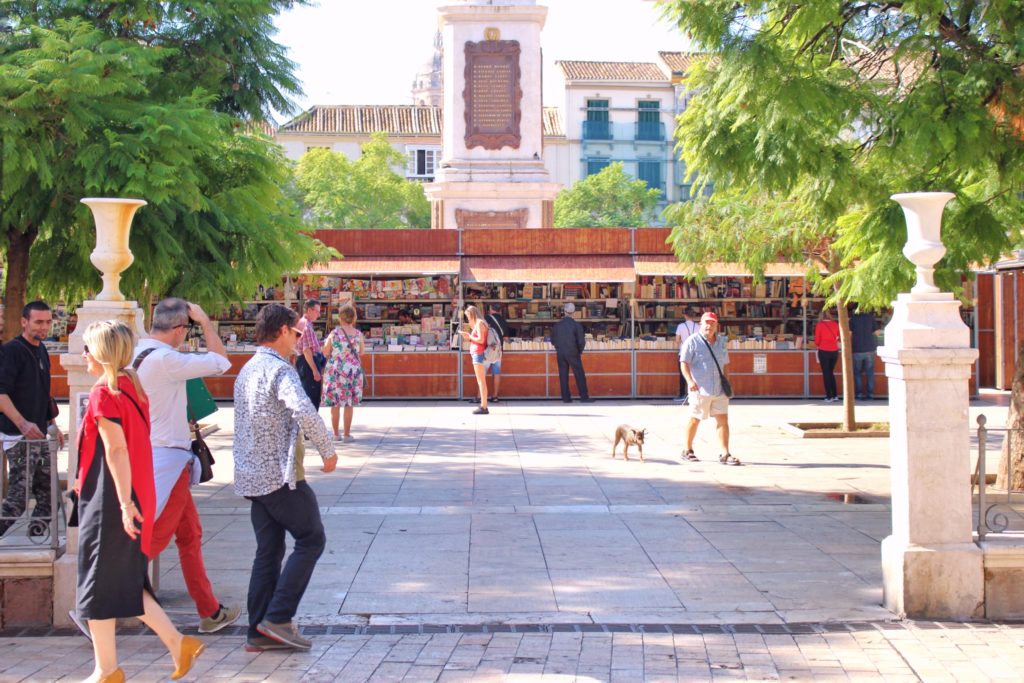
{"x":702,"y":407}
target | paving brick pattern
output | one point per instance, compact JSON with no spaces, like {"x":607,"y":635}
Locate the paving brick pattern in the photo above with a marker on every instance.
{"x":857,"y":651}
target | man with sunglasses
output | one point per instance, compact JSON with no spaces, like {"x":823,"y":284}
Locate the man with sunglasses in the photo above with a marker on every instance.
{"x":273,"y":415}
{"x":164,"y":372}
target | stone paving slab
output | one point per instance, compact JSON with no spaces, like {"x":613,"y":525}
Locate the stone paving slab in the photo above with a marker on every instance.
{"x":439,"y":521}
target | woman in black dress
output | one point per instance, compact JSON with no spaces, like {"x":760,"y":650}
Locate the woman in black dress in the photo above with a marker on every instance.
{"x":117,"y":507}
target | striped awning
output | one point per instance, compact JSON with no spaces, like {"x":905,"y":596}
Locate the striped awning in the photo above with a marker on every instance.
{"x":668,"y":265}
{"x":555,"y":269}
{"x":386,"y":265}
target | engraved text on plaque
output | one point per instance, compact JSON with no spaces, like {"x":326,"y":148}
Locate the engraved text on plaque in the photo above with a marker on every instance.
{"x":492,"y":95}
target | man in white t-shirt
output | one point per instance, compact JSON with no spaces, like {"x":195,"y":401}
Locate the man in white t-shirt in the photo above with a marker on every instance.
{"x":683,"y":332}
{"x":163,"y":372}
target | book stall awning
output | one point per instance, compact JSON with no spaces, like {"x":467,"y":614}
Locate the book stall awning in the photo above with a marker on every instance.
{"x":668,"y":265}
{"x":553,"y":269}
{"x":386,"y":265}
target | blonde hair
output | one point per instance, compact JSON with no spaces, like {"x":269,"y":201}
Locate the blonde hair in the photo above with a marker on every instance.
{"x":112,"y":344}
{"x":472,"y":313}
{"x":347,"y":314}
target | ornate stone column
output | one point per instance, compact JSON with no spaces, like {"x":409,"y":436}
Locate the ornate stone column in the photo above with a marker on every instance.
{"x":932,"y":568}
{"x":111,"y":257}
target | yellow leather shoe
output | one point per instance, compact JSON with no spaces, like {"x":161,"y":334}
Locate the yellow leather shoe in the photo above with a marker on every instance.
{"x":116,"y":677}
{"x":190,"y":649}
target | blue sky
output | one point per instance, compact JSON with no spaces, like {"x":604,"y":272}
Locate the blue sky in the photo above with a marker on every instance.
{"x":367,"y":51}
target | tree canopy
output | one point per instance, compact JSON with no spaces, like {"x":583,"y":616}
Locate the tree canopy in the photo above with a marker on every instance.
{"x":151,"y":100}
{"x":808,"y":116}
{"x":365,"y":193}
{"x":607,"y":199}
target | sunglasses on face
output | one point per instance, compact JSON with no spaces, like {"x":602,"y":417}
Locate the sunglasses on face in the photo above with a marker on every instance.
{"x":297,"y":332}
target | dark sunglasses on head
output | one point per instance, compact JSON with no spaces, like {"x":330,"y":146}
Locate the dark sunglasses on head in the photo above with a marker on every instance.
{"x":298,"y":333}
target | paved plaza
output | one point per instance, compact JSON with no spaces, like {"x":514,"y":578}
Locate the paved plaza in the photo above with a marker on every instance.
{"x":512,"y":546}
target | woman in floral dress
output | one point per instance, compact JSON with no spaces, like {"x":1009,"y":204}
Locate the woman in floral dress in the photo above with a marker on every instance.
{"x":343,"y":375}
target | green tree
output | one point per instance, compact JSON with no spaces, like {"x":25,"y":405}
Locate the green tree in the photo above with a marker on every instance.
{"x":142,"y":99}
{"x":809,"y":115}
{"x":608,"y":199}
{"x":365,"y":193}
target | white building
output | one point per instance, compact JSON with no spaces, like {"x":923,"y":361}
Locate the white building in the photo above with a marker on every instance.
{"x":612,"y":111}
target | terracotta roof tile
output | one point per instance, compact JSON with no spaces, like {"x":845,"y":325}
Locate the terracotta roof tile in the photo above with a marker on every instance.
{"x":611,"y":71}
{"x":680,"y":62}
{"x":393,"y":119}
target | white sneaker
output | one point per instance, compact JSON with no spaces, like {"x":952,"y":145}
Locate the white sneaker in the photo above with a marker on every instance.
{"x":347,"y":438}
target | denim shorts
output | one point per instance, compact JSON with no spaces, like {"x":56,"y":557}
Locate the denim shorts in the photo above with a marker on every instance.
{"x":495,"y":368}
{"x":478,"y":358}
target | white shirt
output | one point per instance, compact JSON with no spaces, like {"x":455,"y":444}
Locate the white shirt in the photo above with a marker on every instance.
{"x":163,"y":374}
{"x":683,"y":331}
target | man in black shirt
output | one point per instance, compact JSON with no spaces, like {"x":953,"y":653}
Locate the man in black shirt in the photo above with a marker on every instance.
{"x":569,"y":341}
{"x":497,"y":322}
{"x":27,"y":410}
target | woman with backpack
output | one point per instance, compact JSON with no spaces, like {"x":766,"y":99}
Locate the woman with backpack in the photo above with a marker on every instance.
{"x":476,"y":335}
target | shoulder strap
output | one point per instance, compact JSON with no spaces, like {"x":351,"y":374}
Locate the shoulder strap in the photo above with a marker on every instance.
{"x":712,"y":351}
{"x":354,"y":347}
{"x":141,"y":357}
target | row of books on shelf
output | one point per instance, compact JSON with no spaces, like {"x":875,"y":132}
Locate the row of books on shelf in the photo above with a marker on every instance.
{"x":728,"y":309}
{"x":658,"y":287}
{"x":529,"y":290}
{"x":332,"y":289}
{"x":390,"y":311}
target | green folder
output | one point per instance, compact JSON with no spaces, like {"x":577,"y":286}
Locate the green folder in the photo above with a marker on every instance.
{"x":200,"y":400}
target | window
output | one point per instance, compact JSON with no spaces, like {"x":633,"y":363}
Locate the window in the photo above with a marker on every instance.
{"x":597,"y":127}
{"x":650,"y":173}
{"x":596,"y":165}
{"x":422,"y":162}
{"x":648,"y":120}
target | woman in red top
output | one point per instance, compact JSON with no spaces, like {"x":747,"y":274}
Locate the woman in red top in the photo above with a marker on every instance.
{"x":117,"y":506}
{"x":476,"y":335}
{"x":826,"y":339}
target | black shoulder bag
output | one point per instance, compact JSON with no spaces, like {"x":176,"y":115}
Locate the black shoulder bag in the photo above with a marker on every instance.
{"x":726,"y":387}
{"x":199,"y":448}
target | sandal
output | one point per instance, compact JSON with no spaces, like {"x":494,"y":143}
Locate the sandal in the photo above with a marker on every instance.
{"x":729,"y":459}
{"x":690,"y":455}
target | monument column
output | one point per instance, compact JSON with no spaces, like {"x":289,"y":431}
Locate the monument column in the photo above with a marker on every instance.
{"x":111,"y":256}
{"x":932,"y":568}
{"x":492,"y":172}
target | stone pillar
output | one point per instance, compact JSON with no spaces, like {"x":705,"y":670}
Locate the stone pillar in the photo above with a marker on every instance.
{"x":111,"y":256}
{"x":492,"y":172}
{"x":931,"y":566}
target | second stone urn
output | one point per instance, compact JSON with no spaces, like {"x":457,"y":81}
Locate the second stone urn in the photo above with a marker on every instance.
{"x":112,"y":256}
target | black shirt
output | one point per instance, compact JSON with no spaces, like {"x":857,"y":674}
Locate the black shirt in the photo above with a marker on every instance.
{"x":568,"y":338}
{"x":25,"y":378}
{"x":862,"y":325}
{"x":499,"y":324}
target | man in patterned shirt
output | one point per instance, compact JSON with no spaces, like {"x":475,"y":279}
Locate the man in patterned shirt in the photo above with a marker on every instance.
{"x":310,"y":361}
{"x":272,"y":413}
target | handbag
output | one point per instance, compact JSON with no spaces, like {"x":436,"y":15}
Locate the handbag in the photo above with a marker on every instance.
{"x":202,"y":454}
{"x":726,"y":386}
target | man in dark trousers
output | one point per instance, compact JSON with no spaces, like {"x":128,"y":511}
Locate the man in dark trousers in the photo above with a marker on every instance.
{"x":27,"y":412}
{"x":569,"y":341}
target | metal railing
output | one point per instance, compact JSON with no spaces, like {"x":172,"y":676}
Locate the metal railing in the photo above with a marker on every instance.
{"x":997,"y":514}
{"x":29,"y":472}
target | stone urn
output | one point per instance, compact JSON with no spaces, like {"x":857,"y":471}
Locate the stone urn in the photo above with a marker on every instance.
{"x":924,"y":248}
{"x":112,"y":256}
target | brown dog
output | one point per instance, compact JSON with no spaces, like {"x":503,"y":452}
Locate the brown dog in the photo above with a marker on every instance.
{"x":630,"y":437}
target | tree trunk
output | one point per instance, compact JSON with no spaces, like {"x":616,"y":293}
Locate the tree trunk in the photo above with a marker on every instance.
{"x":18,"y":245}
{"x":1013,"y":444}
{"x":846,"y":347}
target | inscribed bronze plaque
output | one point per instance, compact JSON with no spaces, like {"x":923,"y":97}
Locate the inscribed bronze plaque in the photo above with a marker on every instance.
{"x":477,"y":220}
{"x":492,"y":95}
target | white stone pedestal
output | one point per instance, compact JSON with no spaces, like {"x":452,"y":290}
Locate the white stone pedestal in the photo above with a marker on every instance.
{"x":932,"y":568}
